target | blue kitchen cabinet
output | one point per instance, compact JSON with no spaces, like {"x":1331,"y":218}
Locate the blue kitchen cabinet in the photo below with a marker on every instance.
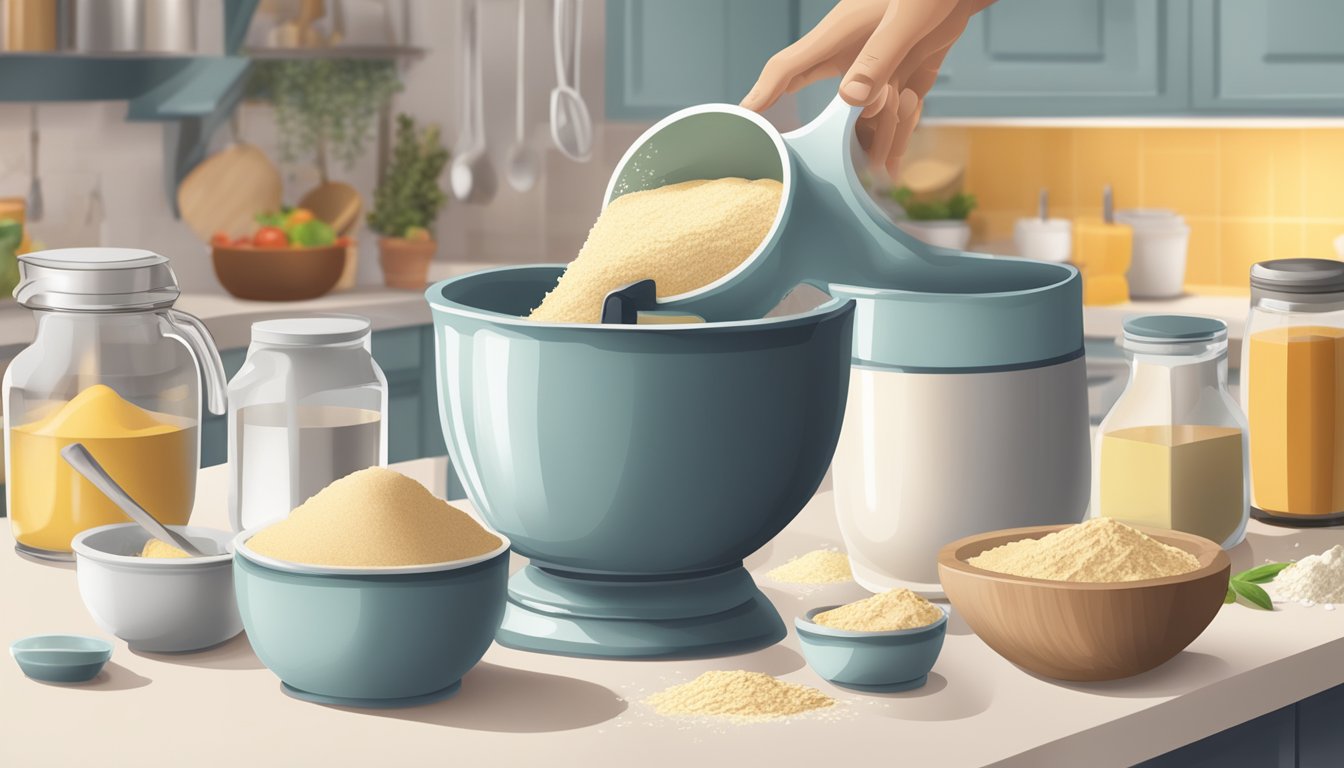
{"x":662,"y":56}
{"x":1068,"y":58}
{"x":1018,"y":58}
{"x":1269,"y":741}
{"x":398,"y":353}
{"x":215,"y":429}
{"x":1262,"y":57}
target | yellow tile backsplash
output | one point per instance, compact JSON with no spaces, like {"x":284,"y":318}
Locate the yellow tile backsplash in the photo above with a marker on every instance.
{"x":1248,"y":194}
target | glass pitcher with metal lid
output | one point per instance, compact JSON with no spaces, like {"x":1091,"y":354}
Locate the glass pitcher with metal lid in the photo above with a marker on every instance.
{"x":115,"y":367}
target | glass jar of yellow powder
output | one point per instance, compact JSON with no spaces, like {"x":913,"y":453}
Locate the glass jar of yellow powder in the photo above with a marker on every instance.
{"x":1292,"y":387}
{"x":1172,"y":453}
{"x":115,"y":367}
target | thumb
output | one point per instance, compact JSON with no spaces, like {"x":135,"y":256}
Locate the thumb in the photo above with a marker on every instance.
{"x":903,"y":25}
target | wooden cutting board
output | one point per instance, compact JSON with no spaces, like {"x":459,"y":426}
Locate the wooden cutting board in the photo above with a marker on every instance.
{"x":228,"y":189}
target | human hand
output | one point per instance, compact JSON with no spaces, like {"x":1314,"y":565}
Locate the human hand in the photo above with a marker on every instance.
{"x":888,"y":51}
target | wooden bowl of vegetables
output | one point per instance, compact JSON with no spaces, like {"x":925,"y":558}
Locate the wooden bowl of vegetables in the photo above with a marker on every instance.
{"x":291,"y":257}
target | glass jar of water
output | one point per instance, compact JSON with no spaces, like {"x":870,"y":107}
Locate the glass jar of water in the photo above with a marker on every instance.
{"x":308,"y":407}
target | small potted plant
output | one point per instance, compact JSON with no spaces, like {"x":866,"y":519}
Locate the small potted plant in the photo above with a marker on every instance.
{"x":936,"y":222}
{"x":406,"y":204}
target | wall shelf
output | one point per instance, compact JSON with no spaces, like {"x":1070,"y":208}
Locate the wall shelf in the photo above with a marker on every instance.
{"x":365,"y":52}
{"x":191,"y":95}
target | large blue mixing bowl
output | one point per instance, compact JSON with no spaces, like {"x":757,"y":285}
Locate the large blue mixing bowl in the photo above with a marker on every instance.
{"x":636,"y":466}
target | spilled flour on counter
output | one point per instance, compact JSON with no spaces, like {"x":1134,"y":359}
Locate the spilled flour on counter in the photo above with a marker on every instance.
{"x":820,"y":566}
{"x":1100,"y":550}
{"x":884,"y":612}
{"x":1314,"y":579}
{"x":739,"y":696}
{"x":683,"y":236}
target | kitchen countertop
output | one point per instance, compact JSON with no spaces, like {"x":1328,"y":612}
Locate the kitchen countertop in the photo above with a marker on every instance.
{"x":221,"y":706}
{"x":1229,"y":305}
{"x":230,"y":319}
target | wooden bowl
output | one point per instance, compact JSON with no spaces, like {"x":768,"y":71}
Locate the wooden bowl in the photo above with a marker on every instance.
{"x":1084,"y":631}
{"x":278,"y":274}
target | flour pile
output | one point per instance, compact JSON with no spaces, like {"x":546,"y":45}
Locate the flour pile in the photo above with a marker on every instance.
{"x":820,"y":566}
{"x":683,"y":236}
{"x":738,"y":695}
{"x":892,"y":610}
{"x":1314,"y":579}
{"x":1100,"y":550}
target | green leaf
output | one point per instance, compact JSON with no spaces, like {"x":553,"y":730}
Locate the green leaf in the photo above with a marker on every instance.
{"x":1253,"y":593}
{"x":1261,"y":574}
{"x":1230,"y":598}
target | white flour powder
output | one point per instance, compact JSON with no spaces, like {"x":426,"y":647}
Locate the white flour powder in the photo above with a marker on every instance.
{"x":1314,"y":579}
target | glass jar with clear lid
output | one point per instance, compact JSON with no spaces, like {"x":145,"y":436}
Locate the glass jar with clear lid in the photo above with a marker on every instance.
{"x":308,"y":407}
{"x":1172,"y":452}
{"x":112,"y":366}
{"x":1292,"y":389}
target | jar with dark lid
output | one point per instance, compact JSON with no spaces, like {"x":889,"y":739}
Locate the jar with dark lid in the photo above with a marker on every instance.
{"x":1292,"y":389}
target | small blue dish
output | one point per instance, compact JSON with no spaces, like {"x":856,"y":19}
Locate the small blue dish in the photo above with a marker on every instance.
{"x":873,"y":662}
{"x":61,"y":658}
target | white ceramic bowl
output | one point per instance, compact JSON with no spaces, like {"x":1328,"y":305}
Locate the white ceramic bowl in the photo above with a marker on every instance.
{"x":158,"y":605}
{"x":1044,"y":239}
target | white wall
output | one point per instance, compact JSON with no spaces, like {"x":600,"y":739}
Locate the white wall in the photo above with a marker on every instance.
{"x":81,"y":142}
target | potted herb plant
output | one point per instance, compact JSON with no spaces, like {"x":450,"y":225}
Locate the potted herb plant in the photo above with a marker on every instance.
{"x":406,"y":204}
{"x":936,"y":222}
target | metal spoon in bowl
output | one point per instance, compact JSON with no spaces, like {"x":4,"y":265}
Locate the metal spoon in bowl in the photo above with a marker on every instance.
{"x":79,"y":459}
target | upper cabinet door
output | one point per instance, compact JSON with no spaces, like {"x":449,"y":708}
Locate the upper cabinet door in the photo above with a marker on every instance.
{"x":663,"y":55}
{"x":1068,"y":57}
{"x":1262,"y":57}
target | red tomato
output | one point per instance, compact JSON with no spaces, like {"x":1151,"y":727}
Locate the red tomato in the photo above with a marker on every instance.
{"x":242,"y":241}
{"x":270,"y":237}
{"x":220,"y":238}
{"x":342,"y":242}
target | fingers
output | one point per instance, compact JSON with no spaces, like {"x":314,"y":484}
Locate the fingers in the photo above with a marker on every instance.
{"x":884,"y":132}
{"x":903,"y":26}
{"x":878,"y":104}
{"x":929,"y":52}
{"x":865,"y":130}
{"x":810,"y":59}
{"x":927,"y":74}
{"x":909,"y":109}
{"x":775,"y":77}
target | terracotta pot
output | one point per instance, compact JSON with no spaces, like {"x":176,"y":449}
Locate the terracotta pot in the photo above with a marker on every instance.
{"x":405,"y":262}
{"x":278,"y":274}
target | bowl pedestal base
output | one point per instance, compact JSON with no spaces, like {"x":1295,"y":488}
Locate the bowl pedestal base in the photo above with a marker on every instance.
{"x":341,"y":701}
{"x":718,"y":613}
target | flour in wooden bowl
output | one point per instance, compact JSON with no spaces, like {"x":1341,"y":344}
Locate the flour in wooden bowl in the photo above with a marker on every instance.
{"x":1100,"y":550}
